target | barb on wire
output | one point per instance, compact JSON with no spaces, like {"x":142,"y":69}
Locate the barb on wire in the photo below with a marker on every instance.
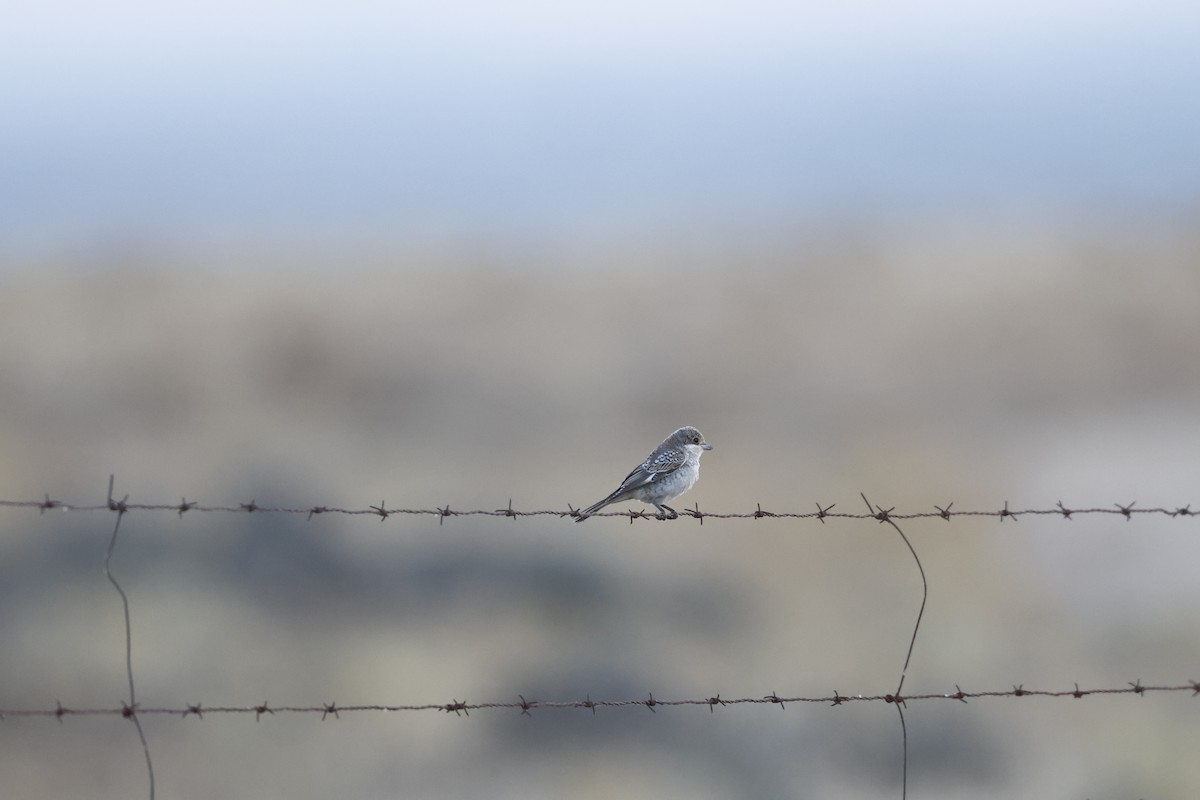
{"x":329,"y":709}
{"x":128,"y":710}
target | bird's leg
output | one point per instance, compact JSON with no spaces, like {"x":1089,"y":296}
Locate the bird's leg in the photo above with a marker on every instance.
{"x":661,"y":515}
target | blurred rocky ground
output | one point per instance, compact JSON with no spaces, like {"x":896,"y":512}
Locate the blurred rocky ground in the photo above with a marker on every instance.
{"x":976,"y":364}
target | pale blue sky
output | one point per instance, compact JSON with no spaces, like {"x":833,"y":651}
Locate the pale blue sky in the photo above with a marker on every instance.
{"x":204,"y":121}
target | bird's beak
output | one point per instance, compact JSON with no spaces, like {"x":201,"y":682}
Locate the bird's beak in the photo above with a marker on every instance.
{"x":705,"y":446}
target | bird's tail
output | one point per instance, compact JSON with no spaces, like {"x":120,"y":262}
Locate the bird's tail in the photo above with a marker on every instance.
{"x":592,"y":509}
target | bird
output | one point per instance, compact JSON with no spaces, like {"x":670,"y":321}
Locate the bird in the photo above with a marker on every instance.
{"x":668,"y":472}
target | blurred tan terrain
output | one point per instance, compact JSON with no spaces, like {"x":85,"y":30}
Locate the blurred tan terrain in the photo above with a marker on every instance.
{"x":976,"y":365}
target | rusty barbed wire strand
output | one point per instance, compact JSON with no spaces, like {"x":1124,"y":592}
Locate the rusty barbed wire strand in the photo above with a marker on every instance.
{"x":651,"y":702}
{"x":185,"y":506}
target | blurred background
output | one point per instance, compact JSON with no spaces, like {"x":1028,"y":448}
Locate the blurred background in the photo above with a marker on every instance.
{"x":466,"y":253}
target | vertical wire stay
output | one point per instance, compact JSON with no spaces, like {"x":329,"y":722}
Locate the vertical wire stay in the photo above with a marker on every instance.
{"x":130,"y":711}
{"x":883,"y":516}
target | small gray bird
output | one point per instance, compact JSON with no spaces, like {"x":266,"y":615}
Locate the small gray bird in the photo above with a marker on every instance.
{"x":668,"y":472}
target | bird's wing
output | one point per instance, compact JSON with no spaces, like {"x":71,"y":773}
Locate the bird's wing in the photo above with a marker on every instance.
{"x":654,"y":468}
{"x":665,"y":462}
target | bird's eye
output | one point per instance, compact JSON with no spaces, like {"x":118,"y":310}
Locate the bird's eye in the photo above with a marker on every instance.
{"x":695,"y":440}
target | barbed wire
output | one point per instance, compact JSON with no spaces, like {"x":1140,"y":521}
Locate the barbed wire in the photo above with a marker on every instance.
{"x":132,"y":710}
{"x":947,"y":512}
{"x":651,"y":702}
